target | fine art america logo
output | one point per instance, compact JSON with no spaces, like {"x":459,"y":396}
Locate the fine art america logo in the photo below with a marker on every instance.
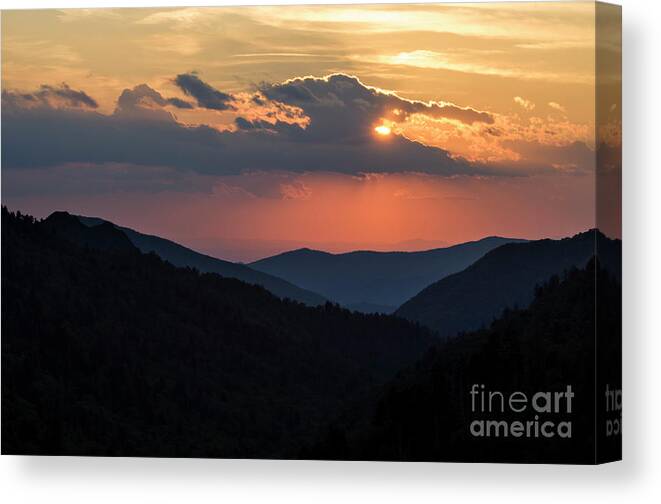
{"x":540,"y":415}
{"x":613,"y":411}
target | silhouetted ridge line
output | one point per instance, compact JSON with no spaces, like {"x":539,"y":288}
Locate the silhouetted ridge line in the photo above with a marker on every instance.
{"x":505,"y":277}
{"x":179,"y":255}
{"x":373,"y":281}
{"x":103,"y":237}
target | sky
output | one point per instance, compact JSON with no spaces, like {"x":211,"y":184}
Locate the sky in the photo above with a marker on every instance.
{"x":243,"y":132}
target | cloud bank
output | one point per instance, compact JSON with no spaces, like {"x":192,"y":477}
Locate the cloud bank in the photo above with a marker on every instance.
{"x":337,"y":135}
{"x":53,"y":96}
{"x":306,"y":124}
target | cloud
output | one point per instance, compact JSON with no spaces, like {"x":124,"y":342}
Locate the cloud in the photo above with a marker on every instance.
{"x":350,"y":98}
{"x":244,"y":124}
{"x":205,"y":95}
{"x":144,"y":96}
{"x":53,"y":96}
{"x":492,"y":144}
{"x":575,"y":157}
{"x":585,"y":43}
{"x":557,"y":107}
{"x":184,"y":45}
{"x":526,"y":104}
{"x":141,"y":137}
{"x":93,"y":179}
{"x":465,"y":61}
{"x":296,"y":190}
{"x":301,"y":125}
{"x":181,"y":18}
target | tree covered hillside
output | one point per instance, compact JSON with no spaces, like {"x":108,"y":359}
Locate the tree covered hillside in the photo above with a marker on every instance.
{"x":426,"y":412}
{"x":106,"y":351}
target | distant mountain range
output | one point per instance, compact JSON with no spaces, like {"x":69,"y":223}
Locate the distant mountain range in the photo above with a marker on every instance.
{"x":505,"y":278}
{"x":247,"y":250}
{"x":109,"y":351}
{"x":181,"y":256}
{"x":449,"y":290}
{"x":374,"y":281}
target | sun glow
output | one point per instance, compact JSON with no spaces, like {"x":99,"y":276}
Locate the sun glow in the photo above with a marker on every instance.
{"x":383,"y":130}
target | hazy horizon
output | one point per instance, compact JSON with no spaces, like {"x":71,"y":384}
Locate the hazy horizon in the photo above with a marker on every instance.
{"x":247,"y":250}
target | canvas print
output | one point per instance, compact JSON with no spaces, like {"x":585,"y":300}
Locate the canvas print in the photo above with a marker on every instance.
{"x":346,"y":232}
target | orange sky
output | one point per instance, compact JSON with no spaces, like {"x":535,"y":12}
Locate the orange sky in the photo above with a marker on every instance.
{"x":501,"y":94}
{"x":339,"y":213}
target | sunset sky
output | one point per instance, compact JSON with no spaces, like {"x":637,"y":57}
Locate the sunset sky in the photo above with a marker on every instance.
{"x":243,"y":132}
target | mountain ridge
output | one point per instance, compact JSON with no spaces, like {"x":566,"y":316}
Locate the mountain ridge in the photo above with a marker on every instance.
{"x":389,"y":252}
{"x":365,"y":278}
{"x":104,"y":236}
{"x":180,"y":255}
{"x":503,"y":278}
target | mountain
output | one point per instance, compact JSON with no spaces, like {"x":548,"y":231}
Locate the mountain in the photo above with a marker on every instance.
{"x":425,"y":412}
{"x":374,"y":281}
{"x":181,"y":256}
{"x":504,"y":278}
{"x":107,"y":351}
{"x":104,"y":236}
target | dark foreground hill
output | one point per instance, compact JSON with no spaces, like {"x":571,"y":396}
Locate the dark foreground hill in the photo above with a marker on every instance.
{"x":504,"y":278}
{"x":374,"y":281}
{"x":425,"y":414}
{"x":181,"y":256}
{"x":106,"y":351}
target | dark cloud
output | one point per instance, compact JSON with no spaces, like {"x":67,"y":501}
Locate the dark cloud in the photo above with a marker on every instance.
{"x":244,"y":124}
{"x":132,"y":136}
{"x":86,"y":179}
{"x":52,"y":96}
{"x":339,"y":137}
{"x":257,"y":100}
{"x":205,"y":95}
{"x":361,"y":105}
{"x":142,"y":96}
{"x":179,"y":103}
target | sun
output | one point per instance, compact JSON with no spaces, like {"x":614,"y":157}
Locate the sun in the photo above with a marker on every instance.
{"x":383,"y":130}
